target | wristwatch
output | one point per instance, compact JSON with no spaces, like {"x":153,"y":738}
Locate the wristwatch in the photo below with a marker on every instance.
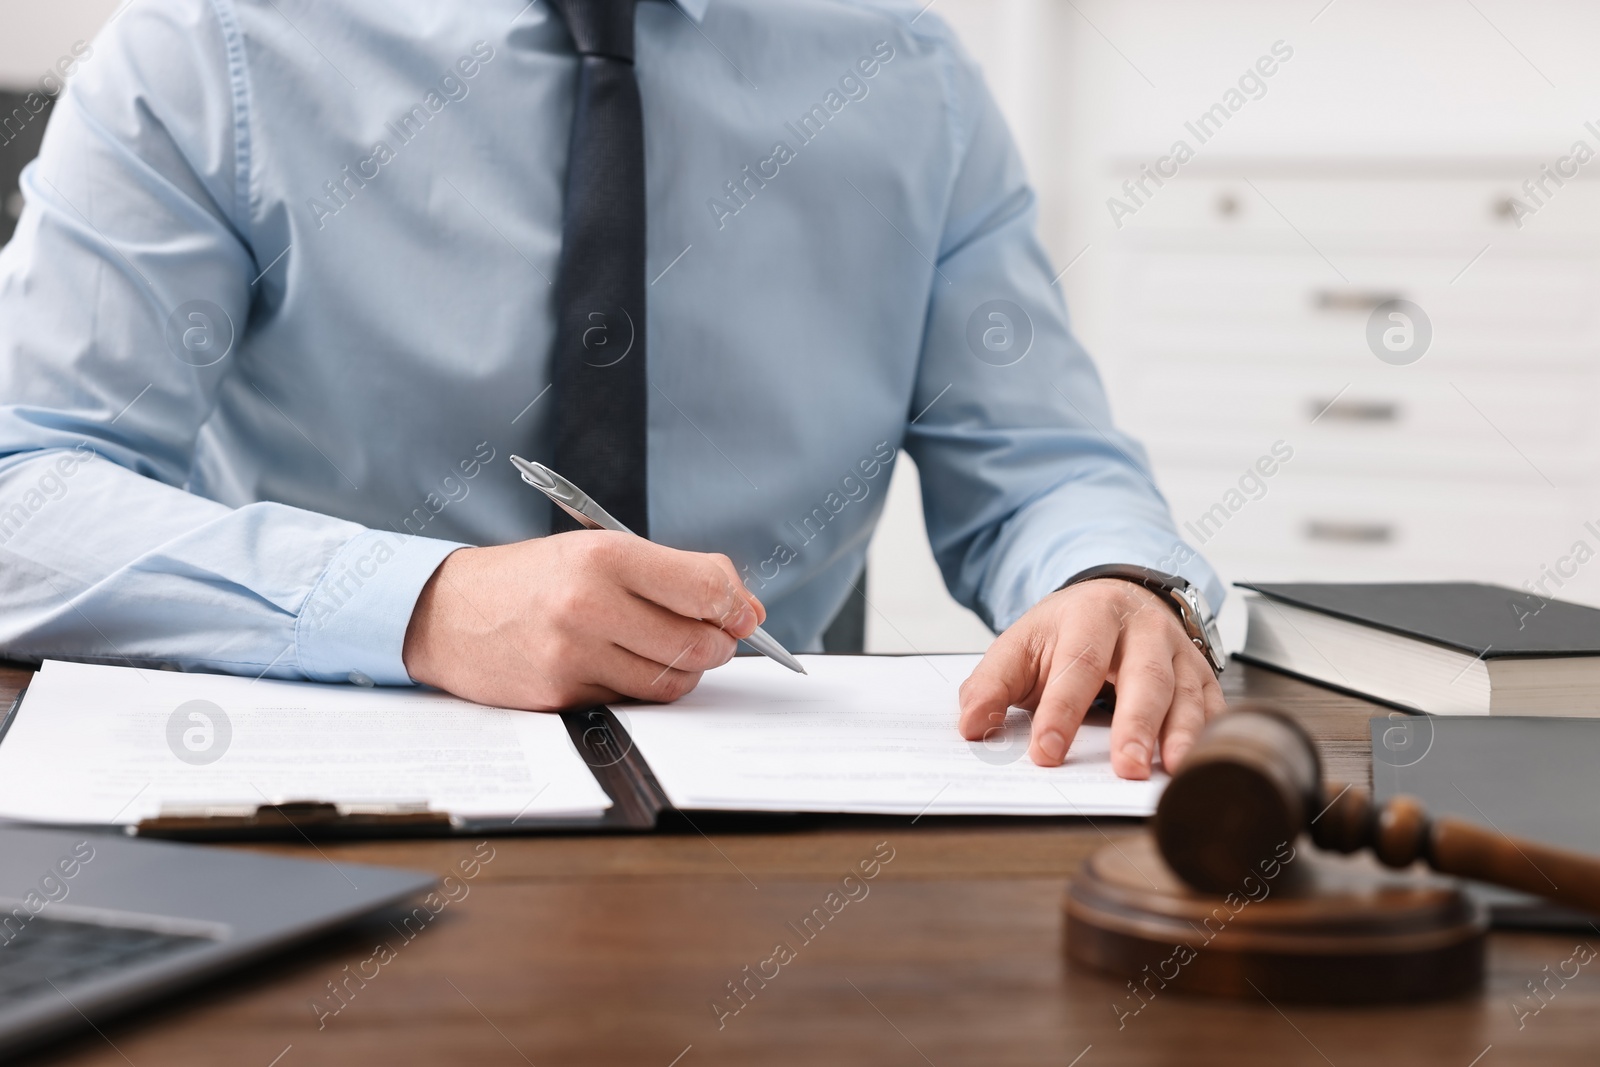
{"x":1184,"y":599}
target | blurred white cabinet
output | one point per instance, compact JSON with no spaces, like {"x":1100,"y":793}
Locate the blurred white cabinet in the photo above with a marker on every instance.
{"x":1476,"y":461}
{"x":1230,"y":312}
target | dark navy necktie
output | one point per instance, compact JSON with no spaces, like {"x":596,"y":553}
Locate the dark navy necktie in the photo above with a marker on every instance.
{"x":598,"y":366}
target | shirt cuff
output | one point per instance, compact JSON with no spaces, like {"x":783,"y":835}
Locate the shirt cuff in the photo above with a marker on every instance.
{"x":353,"y":625}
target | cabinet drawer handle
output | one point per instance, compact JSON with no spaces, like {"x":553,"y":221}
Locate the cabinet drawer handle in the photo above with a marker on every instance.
{"x":1351,"y":299}
{"x":1349,"y":533}
{"x":1342,"y":410}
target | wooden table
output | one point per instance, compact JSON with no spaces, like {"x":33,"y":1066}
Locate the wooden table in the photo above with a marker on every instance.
{"x":612,"y":950}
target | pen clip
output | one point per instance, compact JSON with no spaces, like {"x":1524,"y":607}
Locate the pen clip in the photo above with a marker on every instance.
{"x":566,"y":496}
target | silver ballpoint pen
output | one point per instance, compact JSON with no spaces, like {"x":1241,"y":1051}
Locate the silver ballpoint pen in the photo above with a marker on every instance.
{"x":580,"y":506}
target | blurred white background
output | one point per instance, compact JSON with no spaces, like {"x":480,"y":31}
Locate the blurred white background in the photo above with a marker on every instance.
{"x":34,"y":35}
{"x":1384,"y":158}
{"x":1398,"y":150}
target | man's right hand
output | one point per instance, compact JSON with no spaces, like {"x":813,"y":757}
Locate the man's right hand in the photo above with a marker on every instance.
{"x":575,"y":619}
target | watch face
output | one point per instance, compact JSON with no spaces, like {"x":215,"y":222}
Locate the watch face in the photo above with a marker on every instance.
{"x":1198,"y":600}
{"x":1201,"y":626}
{"x":1213,"y":649}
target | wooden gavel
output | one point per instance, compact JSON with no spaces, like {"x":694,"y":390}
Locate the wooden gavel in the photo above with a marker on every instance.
{"x":1253,"y":782}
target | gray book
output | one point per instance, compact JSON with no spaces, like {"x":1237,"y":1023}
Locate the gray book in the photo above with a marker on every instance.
{"x":1447,"y":648}
{"x":1526,"y":777}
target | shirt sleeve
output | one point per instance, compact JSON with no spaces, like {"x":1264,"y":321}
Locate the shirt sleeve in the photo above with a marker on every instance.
{"x":122,"y":296}
{"x":1025,"y":479}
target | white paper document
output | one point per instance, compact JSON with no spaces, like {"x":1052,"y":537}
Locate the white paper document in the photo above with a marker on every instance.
{"x":114,"y":745}
{"x":866,"y":734}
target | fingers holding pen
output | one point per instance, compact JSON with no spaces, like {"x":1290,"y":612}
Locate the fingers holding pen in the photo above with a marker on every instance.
{"x":694,"y":585}
{"x":576,"y":618}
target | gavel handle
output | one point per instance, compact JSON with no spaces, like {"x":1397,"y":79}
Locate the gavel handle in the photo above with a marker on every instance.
{"x":1401,"y":833}
{"x":1460,"y":848}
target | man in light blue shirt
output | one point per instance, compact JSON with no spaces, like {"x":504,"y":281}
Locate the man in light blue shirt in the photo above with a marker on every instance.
{"x":282,"y":301}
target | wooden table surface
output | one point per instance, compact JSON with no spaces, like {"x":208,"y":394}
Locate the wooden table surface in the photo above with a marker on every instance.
{"x":613,"y":950}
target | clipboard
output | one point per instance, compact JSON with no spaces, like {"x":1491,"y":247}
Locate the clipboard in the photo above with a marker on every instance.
{"x":637,"y":802}
{"x":597,"y":736}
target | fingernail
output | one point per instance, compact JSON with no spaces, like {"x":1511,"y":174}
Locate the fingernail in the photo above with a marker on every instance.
{"x":1135,"y":751}
{"x":1052,"y":744}
{"x":744,"y":622}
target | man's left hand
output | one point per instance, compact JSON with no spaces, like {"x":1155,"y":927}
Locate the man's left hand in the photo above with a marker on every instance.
{"x":1054,"y":660}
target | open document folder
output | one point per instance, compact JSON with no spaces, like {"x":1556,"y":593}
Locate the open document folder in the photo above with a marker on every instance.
{"x":865,"y":734}
{"x":99,"y":745}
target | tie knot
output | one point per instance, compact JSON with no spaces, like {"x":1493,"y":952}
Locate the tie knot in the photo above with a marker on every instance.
{"x":600,"y":27}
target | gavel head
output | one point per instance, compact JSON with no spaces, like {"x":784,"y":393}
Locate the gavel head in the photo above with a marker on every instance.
{"x":1250,"y":785}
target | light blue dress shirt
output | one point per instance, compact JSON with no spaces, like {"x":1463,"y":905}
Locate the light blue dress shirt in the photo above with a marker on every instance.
{"x":280,"y":305}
